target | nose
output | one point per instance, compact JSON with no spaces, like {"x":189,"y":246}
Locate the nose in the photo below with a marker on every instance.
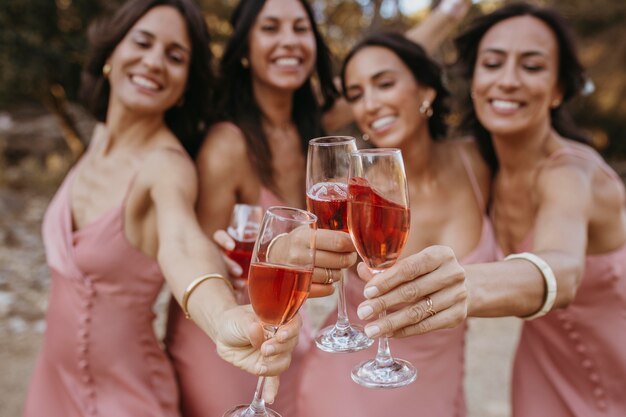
{"x":371,"y":101}
{"x":509,"y":77}
{"x":153,"y":59}
{"x":288,"y":38}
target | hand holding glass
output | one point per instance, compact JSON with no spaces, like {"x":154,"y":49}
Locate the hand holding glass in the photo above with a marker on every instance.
{"x":279,"y":283}
{"x":378,"y":219}
{"x":327,"y":197}
{"x":243,"y":229}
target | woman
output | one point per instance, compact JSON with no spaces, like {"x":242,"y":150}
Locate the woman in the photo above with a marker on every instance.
{"x":555,"y":201}
{"x":398,"y":101}
{"x":117,"y":227}
{"x":270,"y":112}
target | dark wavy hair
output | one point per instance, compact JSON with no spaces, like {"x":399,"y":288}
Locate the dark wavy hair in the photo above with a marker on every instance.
{"x":425,"y":71}
{"x":236,"y":101}
{"x":187,"y":121}
{"x":571,"y":72}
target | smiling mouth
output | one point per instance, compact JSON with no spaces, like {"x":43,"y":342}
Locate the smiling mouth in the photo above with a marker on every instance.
{"x":287,"y":62}
{"x":144,"y":82}
{"x":382,"y":122}
{"x":507,"y":105}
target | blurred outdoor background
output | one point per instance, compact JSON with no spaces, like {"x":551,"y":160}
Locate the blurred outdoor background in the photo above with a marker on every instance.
{"x":43,"y":130}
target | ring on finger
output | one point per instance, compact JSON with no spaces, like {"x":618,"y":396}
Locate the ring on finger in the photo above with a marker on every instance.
{"x":429,"y":307}
{"x":329,"y":276}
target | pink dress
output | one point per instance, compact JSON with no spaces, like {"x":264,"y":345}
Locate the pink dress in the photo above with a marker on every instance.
{"x":100,"y":356}
{"x":209,"y":385}
{"x":328,"y":390}
{"x":572,"y":361}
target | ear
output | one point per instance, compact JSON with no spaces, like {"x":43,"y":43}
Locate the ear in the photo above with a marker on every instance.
{"x":557,"y":97}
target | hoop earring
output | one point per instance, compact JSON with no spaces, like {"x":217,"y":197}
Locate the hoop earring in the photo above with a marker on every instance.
{"x":426,"y":109}
{"x":106,"y":70}
{"x":244,"y":62}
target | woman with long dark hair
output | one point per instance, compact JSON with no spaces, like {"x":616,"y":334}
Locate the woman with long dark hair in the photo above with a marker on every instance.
{"x":559,"y":213}
{"x":118,"y":229}
{"x":276,"y":92}
{"x":398,"y":100}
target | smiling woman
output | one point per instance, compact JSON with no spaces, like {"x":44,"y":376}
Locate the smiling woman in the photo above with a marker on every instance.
{"x":118,"y":229}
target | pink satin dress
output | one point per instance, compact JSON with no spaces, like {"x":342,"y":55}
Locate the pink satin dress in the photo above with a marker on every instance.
{"x":328,"y":390}
{"x":572,"y":361}
{"x":209,"y":385}
{"x":100,"y":356}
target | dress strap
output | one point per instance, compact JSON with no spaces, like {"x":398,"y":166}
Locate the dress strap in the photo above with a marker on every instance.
{"x":472,"y":177}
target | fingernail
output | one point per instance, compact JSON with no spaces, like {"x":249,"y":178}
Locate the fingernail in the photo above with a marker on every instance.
{"x":230,"y":245}
{"x":364,"y":312}
{"x":370,"y":292}
{"x":261,"y":369}
{"x":372,"y":331}
{"x":269,"y":350}
{"x":237,"y":270}
{"x":283,"y":335}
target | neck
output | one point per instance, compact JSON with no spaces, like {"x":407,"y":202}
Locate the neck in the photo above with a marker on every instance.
{"x":418,"y":153}
{"x":522,"y":151}
{"x":276,"y":106}
{"x":130,"y":129}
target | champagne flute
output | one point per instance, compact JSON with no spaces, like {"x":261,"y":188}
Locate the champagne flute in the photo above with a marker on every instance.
{"x":379,"y":218}
{"x":327,"y":197}
{"x":279,"y":281}
{"x":243,"y":229}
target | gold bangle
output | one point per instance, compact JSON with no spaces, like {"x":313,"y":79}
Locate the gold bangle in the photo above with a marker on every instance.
{"x":193,"y":286}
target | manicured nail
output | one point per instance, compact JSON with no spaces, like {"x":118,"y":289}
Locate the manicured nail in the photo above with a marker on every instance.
{"x":237,"y":270}
{"x":364,"y":312}
{"x":269,"y":350}
{"x":370,"y":292}
{"x":372,"y":331}
{"x":261,"y":369}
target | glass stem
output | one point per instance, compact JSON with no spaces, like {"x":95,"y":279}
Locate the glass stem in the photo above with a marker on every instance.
{"x":257,"y":406}
{"x":383,"y":355}
{"x":343,"y":324}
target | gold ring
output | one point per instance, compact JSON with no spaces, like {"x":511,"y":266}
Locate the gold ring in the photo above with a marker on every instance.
{"x":429,"y":307}
{"x":329,"y":276}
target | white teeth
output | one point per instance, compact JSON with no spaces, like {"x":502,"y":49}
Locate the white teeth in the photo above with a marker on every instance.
{"x":145,"y":82}
{"x":505,"y":104}
{"x":382,"y":122}
{"x":288,"y":62}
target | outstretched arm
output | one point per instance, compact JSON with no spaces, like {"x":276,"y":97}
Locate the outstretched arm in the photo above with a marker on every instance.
{"x":185,"y":253}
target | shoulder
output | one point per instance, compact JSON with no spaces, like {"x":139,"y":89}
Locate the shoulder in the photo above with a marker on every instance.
{"x":223,"y":141}
{"x":169,"y":168}
{"x":466,"y":146}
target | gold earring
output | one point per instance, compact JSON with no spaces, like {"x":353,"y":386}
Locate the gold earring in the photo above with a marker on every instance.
{"x":106,"y":70}
{"x":425,"y":109}
{"x":556,"y":103}
{"x":244,"y":62}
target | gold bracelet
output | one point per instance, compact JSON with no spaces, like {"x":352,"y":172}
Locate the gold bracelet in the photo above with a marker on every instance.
{"x":193,"y":286}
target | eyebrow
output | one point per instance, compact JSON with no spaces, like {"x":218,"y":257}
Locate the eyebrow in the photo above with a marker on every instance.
{"x":176,"y":44}
{"x":275,"y":19}
{"x":524,"y":54}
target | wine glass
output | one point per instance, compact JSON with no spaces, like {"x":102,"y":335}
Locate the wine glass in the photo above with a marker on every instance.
{"x":378,"y":219}
{"x":243,"y":229}
{"x":327,"y":197}
{"x":279,"y":281}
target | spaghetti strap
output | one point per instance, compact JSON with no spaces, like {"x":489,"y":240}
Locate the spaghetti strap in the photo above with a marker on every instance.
{"x":472,"y":177}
